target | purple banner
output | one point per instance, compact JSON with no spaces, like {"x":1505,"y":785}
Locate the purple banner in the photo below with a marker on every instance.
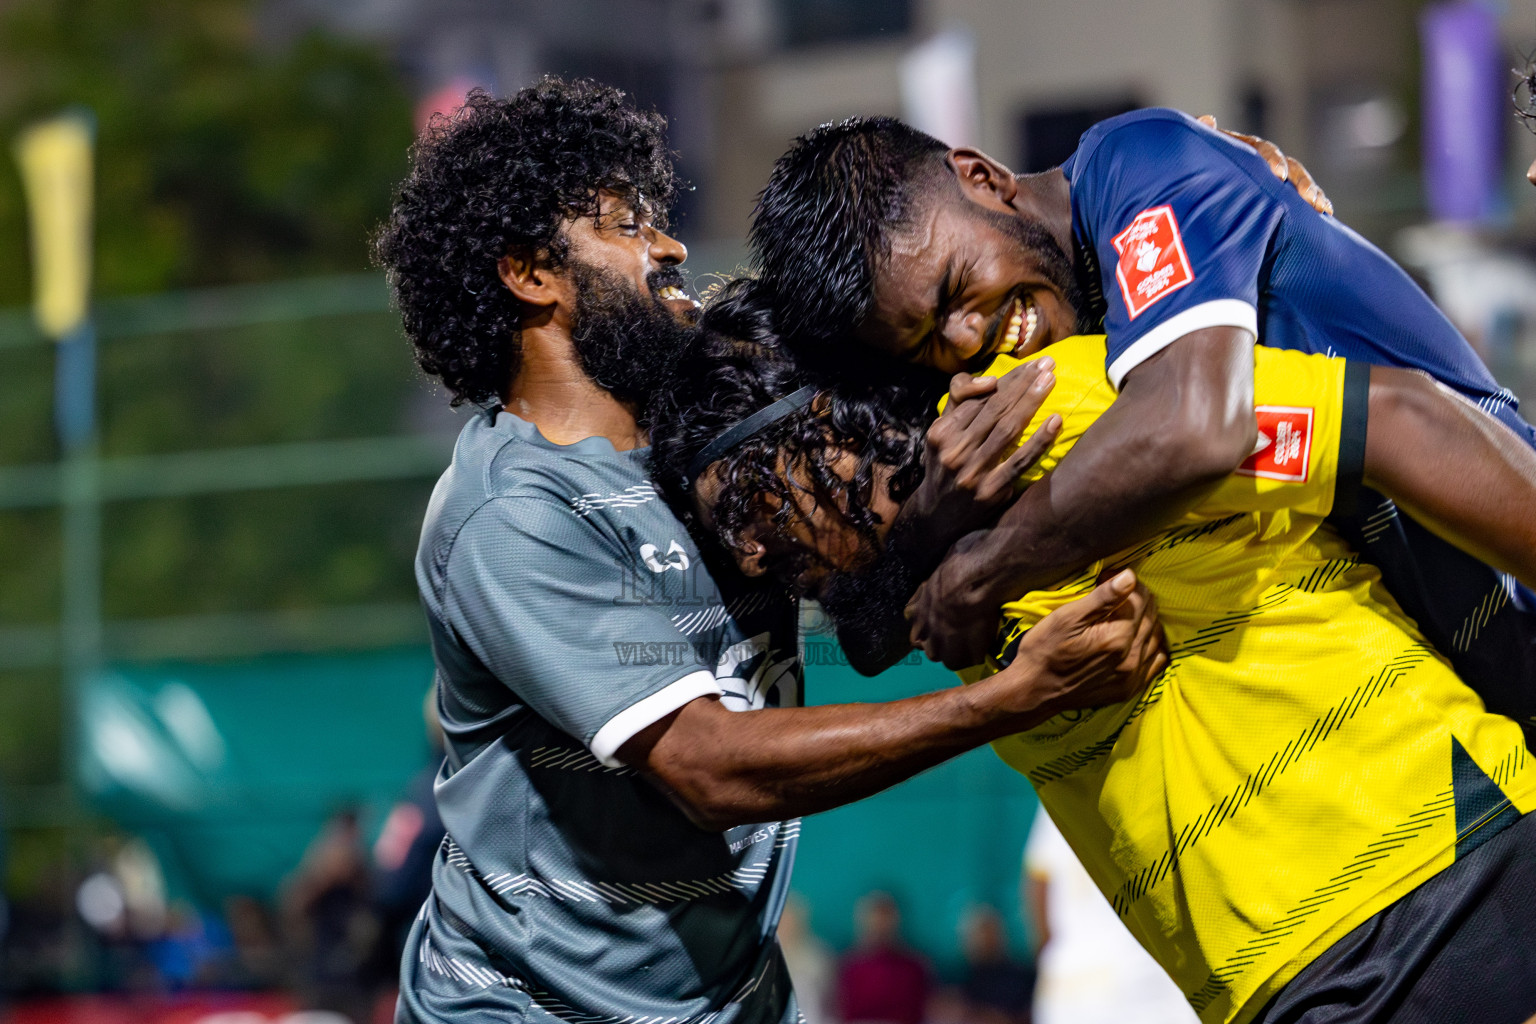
{"x":1464,"y":110}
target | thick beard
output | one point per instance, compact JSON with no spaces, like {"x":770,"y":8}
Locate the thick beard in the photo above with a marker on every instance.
{"x":627,"y":341}
{"x":862,"y":603}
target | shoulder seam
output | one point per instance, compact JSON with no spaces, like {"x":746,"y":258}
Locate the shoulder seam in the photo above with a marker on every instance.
{"x":485,"y":472}
{"x":1106,"y":132}
{"x":451,"y":545}
{"x":453,"y":541}
{"x":1208,"y":142}
{"x":491,"y":499}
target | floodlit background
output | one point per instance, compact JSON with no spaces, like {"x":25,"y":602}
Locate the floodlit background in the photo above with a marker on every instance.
{"x":212,"y":663}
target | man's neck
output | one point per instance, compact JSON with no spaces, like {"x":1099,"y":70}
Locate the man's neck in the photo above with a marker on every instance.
{"x":551,"y":391}
{"x":1047,"y":198}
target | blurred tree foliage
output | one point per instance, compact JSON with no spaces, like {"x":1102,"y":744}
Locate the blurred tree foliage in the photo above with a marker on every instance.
{"x":319,"y":378}
{"x":221,"y":157}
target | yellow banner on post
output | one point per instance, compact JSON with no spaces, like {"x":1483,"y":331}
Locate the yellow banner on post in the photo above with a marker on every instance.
{"x":56,"y":159}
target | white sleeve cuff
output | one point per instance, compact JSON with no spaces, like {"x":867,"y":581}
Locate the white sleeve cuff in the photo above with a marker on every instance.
{"x":618,"y":729}
{"x":1216,"y":313}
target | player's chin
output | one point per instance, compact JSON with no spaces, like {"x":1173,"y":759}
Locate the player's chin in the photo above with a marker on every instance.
{"x":1055,"y":318}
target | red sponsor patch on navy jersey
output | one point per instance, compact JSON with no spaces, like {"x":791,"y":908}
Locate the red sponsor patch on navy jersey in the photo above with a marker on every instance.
{"x":1152,"y":259}
{"x":1284,"y":449}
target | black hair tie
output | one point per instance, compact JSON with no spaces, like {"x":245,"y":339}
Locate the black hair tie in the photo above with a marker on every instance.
{"x":744,"y":429}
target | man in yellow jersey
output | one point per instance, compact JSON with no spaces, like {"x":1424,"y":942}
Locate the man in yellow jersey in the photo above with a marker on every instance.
{"x":1287,"y":818}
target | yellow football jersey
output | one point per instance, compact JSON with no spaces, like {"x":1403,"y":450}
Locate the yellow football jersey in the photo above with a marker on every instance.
{"x":1306,"y":759}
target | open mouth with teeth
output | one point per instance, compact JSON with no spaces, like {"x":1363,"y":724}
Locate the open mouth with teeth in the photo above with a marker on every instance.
{"x":1019,"y":329}
{"x":672,"y":293}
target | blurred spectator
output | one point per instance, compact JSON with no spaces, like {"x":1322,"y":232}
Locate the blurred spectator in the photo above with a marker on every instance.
{"x":406,"y":847}
{"x":997,"y":989}
{"x":880,"y":980}
{"x":330,"y":922}
{"x":811,"y":966}
{"x":258,"y":956}
{"x":138,"y":872}
{"x":193,"y":950}
{"x":1091,"y":970}
{"x":122,"y":901}
{"x":946,"y":1005}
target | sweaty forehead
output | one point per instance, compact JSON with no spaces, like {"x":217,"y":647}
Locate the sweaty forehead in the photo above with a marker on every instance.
{"x":908,"y":279}
{"x":915,"y":238}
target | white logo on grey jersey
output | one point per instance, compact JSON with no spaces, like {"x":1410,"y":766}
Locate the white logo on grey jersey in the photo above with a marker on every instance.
{"x":677,"y":558}
{"x":750,"y":678}
{"x":638,"y":494}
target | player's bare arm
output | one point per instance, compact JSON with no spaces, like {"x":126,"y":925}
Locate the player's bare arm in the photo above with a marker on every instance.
{"x":783,"y":475}
{"x":725,"y":768}
{"x":1454,"y":468}
{"x":1182,"y":424}
{"x":1445,"y":462}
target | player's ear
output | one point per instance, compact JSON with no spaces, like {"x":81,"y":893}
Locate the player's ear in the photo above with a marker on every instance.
{"x":531,"y":279}
{"x":982,"y":179}
{"x":750,"y":555}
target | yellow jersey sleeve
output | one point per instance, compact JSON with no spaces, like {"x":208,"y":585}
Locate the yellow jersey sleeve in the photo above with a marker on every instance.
{"x":1298,"y":402}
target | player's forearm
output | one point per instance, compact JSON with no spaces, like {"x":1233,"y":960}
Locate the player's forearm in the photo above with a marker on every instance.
{"x":1453,"y":468}
{"x":728,"y":768}
{"x":1183,"y":422}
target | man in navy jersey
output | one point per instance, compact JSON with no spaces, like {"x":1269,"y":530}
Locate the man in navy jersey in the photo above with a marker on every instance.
{"x":1180,"y":244}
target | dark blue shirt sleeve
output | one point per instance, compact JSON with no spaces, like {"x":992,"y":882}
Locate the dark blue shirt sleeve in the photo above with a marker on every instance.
{"x":1180,"y":219}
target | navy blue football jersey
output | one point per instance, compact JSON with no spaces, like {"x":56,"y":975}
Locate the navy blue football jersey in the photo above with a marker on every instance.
{"x":1179,"y":227}
{"x":1191,"y":229}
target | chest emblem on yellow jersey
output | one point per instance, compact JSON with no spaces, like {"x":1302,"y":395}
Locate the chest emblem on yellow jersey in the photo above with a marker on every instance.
{"x":1284,"y":445}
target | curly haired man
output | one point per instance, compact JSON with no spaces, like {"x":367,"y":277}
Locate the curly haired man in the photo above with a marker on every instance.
{"x":625,"y":764}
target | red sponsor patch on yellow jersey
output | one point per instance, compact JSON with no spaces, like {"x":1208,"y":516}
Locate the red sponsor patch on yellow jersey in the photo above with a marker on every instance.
{"x":1284,"y":446}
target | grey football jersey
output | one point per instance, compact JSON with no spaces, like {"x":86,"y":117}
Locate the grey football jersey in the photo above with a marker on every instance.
{"x":568,"y":610}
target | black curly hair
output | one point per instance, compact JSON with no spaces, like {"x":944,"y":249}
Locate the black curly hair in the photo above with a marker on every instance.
{"x":739,"y":366}
{"x":824,"y":221}
{"x":503,"y":176}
